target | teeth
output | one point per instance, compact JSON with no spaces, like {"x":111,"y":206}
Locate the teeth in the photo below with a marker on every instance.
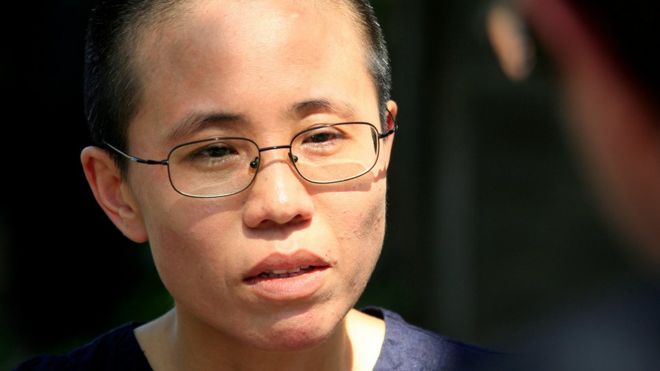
{"x":285,"y":272}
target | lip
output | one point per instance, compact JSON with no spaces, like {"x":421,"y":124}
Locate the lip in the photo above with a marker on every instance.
{"x":268,"y":279}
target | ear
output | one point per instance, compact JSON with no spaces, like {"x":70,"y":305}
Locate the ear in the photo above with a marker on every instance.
{"x":112,"y":193}
{"x":386,"y":147}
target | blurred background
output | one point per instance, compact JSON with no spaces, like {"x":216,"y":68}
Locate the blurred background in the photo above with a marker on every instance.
{"x":490,"y":222}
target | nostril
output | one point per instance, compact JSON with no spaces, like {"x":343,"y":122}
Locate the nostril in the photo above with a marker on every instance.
{"x":298,"y":221}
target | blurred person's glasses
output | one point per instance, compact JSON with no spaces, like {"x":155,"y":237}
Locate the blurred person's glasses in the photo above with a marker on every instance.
{"x":224,"y":166}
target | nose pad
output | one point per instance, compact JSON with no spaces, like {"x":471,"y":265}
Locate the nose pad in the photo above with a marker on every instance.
{"x":257,"y":161}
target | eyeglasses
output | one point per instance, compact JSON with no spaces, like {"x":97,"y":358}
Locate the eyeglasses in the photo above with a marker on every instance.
{"x":224,"y":166}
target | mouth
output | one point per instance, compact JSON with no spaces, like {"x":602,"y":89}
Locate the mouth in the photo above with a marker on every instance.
{"x":281,"y":277}
{"x":283,"y":273}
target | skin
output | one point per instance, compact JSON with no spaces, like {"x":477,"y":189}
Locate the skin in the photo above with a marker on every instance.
{"x":257,"y":62}
{"x":615,"y":126}
{"x":509,"y":41}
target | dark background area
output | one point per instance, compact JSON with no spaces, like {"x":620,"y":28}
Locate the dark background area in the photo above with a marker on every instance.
{"x":489,"y":223}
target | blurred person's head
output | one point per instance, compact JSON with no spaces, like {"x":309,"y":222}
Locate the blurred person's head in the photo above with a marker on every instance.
{"x":606,"y":54}
{"x":215,"y":125}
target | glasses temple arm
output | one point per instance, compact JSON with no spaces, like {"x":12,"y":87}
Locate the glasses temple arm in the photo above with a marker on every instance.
{"x":389,"y":132}
{"x":134,"y":158}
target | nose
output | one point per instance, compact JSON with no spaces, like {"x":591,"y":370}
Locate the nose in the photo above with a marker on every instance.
{"x":278,"y":195}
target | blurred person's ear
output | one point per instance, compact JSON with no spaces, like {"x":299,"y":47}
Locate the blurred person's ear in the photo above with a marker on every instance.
{"x":614,"y":123}
{"x":112,"y":193}
{"x":508,"y":37}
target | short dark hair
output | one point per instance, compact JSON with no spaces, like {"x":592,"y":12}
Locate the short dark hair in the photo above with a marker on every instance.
{"x":112,"y":90}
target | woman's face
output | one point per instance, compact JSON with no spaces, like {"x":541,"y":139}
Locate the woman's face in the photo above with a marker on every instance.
{"x":241,"y":264}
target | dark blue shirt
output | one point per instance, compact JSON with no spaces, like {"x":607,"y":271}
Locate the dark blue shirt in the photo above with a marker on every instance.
{"x":406,"y":347}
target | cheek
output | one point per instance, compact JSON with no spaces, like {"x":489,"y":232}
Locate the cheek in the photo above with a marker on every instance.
{"x":191,"y":242}
{"x":178,"y":253}
{"x":360,"y":228}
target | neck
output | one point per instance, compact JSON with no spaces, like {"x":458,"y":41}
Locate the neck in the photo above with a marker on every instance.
{"x":177,"y":341}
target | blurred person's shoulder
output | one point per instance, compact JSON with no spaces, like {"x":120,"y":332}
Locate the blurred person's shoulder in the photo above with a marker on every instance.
{"x":408,"y":347}
{"x":613,"y":329}
{"x":117,"y":349}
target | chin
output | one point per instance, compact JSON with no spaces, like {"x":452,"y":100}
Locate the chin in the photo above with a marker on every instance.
{"x":299,"y":332}
{"x":291,"y":340}
{"x":301,"y":340}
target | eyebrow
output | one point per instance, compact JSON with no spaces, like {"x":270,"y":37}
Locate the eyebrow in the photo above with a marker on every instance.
{"x":197,"y":120}
{"x":322,"y":105}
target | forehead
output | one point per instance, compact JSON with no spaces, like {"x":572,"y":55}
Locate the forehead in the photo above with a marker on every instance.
{"x":236,"y":54}
{"x":209,"y":32}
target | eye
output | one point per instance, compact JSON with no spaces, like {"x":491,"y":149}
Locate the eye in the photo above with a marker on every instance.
{"x":213,"y":151}
{"x":318,"y":137}
{"x":216,"y":151}
{"x":213,"y":156}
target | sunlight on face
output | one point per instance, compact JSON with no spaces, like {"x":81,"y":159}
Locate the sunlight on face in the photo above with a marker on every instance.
{"x":279,"y":264}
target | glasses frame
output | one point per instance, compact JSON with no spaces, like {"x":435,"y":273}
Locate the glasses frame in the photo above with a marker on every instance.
{"x":254,"y":164}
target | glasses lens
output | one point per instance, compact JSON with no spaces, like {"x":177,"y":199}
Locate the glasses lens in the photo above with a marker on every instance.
{"x":213,"y":168}
{"x":335,"y":153}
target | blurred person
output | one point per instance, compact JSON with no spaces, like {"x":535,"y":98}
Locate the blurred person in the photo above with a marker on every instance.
{"x":248,"y":143}
{"x":606,"y":56}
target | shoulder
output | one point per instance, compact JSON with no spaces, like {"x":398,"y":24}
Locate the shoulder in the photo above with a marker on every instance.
{"x":114,"y":350}
{"x":408,"y":347}
{"x":617,"y":328}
